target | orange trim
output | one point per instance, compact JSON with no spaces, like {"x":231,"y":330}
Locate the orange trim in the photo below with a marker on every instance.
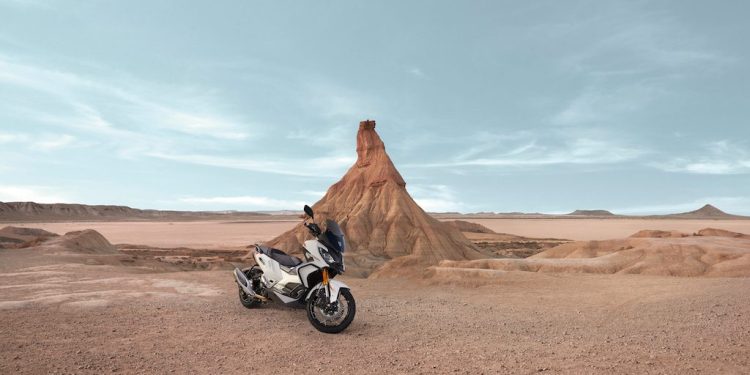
{"x":325,"y":276}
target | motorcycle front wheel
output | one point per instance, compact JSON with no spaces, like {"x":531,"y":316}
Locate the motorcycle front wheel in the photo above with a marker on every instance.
{"x":331,"y":317}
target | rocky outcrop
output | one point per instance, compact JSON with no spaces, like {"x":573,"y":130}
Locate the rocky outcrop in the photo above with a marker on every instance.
{"x":18,"y":237}
{"x":385,"y":229}
{"x":649,"y":233}
{"x":86,"y":241}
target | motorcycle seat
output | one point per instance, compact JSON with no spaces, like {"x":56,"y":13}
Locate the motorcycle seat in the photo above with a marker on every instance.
{"x":283,"y":258}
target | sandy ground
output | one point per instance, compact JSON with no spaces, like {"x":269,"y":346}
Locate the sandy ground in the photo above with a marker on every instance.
{"x":194,"y":234}
{"x":61,"y":316}
{"x":221,"y":234}
{"x":102,"y":319}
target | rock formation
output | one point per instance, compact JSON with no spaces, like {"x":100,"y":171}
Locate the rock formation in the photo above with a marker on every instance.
{"x":710,"y":252}
{"x":385,"y":229}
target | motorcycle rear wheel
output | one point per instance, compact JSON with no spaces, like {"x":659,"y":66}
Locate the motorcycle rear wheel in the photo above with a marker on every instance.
{"x":250,"y":302}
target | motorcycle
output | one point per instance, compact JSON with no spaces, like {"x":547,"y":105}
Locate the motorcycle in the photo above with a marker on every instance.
{"x":277,"y":276}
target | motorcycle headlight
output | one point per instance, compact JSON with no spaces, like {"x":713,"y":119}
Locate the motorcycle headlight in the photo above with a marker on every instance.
{"x":326,"y":256}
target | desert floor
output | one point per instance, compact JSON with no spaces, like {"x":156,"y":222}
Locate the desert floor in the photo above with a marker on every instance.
{"x":222,"y":234}
{"x":67,"y":317}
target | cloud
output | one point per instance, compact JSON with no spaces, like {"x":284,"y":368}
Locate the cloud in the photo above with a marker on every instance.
{"x":54,"y":143}
{"x":720,"y":158}
{"x":313,"y":167}
{"x":26,"y":3}
{"x":245,"y":201}
{"x":13,"y":137}
{"x":315,"y":194}
{"x":646,"y":44}
{"x":596,"y":105}
{"x":337,"y":102}
{"x":529,"y":149}
{"x":172,"y":108}
{"x":44,"y":142}
{"x":436,"y":198}
{"x":417,"y":72}
{"x":629,"y":63}
{"x":24,"y":193}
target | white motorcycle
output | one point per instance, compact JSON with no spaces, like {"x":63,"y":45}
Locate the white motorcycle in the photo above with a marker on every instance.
{"x":287,"y":279}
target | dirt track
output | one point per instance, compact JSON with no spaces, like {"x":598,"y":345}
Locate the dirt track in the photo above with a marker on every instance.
{"x":95,"y":319}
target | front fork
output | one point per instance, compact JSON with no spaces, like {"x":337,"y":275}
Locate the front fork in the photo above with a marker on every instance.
{"x":325,"y":291}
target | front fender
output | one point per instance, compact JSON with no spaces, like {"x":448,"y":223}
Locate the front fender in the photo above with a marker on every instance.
{"x":335,"y":287}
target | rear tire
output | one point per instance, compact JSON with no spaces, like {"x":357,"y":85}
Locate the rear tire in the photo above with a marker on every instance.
{"x":250,"y":302}
{"x":313,"y":310}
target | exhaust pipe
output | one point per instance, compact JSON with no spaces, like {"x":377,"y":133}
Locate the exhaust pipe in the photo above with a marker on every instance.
{"x":244,"y":283}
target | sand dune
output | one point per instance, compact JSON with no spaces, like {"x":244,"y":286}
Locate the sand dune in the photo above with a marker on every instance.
{"x":18,"y":237}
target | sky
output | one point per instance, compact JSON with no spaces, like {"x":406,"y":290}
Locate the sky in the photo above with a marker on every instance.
{"x":639,"y":107}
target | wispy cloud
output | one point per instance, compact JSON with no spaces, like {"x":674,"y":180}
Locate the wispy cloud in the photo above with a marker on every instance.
{"x":533,"y":150}
{"x":26,"y":193}
{"x":313,"y":167}
{"x":335,"y":102}
{"x":649,"y":43}
{"x":630,"y":63}
{"x":597,"y":104}
{"x":43,"y":142}
{"x":436,"y":198}
{"x":26,"y":3}
{"x":245,"y":201}
{"x":417,"y":72}
{"x":54,"y":143}
{"x":147,"y":104}
{"x":720,"y":158}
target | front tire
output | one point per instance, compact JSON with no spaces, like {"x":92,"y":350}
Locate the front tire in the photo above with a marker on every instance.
{"x":327,"y":318}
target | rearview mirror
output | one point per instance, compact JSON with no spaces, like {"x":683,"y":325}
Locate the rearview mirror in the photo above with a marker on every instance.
{"x":309,"y":211}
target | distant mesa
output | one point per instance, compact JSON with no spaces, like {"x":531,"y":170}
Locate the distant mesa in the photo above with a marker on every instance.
{"x":386,"y":231}
{"x":31,"y":211}
{"x":591,"y":213}
{"x":706,"y":212}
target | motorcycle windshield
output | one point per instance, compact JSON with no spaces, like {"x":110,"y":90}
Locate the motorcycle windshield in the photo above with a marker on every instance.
{"x":335,"y":236}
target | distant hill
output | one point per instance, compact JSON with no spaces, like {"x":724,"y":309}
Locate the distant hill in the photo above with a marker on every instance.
{"x":591,"y":213}
{"x":706,"y":212}
{"x":466,"y":226}
{"x":31,"y":211}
